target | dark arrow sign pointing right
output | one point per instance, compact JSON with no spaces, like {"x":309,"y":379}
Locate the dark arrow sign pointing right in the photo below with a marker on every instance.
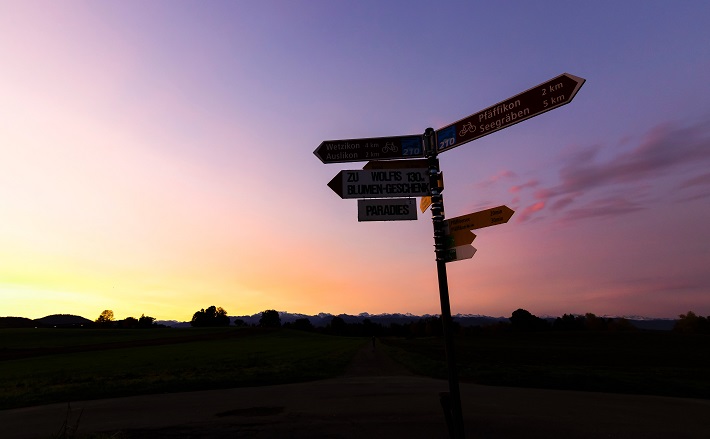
{"x":549,"y":95}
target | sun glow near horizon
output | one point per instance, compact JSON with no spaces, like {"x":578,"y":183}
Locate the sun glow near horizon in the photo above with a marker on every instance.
{"x":158,"y":158}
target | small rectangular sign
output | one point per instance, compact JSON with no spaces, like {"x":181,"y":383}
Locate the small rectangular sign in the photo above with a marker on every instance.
{"x":391,"y":209}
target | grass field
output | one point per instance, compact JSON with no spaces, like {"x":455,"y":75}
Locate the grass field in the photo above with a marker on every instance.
{"x":39,"y":366}
{"x":656,"y":363}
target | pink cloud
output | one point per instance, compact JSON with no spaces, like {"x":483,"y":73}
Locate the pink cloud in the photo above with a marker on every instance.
{"x":562,"y":203}
{"x":499,"y":176}
{"x":608,"y":207}
{"x":528,"y":212}
{"x":663,"y":150}
{"x":700,"y":180}
{"x":529,"y":184}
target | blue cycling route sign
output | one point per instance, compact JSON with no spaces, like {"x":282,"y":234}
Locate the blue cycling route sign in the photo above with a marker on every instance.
{"x":547,"y":96}
{"x":376,"y":148}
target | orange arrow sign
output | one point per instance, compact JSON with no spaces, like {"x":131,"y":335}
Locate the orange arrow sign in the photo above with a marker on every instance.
{"x":478,"y":220}
{"x":424,"y":204}
{"x":462,"y":237}
{"x":426,"y":201}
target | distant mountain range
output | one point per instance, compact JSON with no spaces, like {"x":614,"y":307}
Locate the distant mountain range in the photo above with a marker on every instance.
{"x":318,"y":320}
{"x":323,"y":319}
{"x":55,"y":320}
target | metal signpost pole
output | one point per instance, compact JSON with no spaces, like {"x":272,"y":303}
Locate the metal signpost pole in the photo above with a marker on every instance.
{"x":451,"y":402}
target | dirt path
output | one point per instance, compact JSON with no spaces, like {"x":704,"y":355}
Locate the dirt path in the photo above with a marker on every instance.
{"x":372,"y":360}
{"x":375,"y":398}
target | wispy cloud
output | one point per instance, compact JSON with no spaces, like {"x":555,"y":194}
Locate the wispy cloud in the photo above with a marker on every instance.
{"x":529,"y":211}
{"x":520,"y":187}
{"x":501,"y":175}
{"x":613,"y":206}
{"x":700,"y":180}
{"x":590,"y":174}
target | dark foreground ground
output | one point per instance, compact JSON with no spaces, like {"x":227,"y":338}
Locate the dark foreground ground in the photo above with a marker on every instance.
{"x":374,"y":399}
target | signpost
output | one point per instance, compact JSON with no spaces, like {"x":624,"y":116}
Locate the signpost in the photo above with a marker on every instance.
{"x":549,"y":95}
{"x":385,"y":183}
{"x":414,"y":178}
{"x":479,"y":220}
{"x":376,"y":148}
{"x":389,"y":209}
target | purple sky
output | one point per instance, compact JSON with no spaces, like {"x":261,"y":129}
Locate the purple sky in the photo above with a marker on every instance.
{"x":156,"y":157}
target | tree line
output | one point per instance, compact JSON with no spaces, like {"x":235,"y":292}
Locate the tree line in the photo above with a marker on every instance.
{"x":520,"y":320}
{"x":106,"y":320}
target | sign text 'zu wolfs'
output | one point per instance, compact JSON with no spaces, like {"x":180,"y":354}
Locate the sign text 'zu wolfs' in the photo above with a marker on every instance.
{"x":381,"y":183}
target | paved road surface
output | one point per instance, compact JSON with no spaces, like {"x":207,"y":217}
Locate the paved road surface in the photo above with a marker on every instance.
{"x":376,"y":398}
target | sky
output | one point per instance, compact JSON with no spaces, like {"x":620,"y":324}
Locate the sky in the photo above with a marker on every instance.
{"x":157,"y":157}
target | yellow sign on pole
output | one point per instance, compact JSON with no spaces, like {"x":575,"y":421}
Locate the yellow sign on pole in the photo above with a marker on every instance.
{"x":462,"y":237}
{"x":478,"y":220}
{"x":424,"y":204}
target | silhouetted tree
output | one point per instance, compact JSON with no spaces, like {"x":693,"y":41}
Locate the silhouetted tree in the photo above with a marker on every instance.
{"x":691,"y":323}
{"x":127,"y":323}
{"x":212,"y":316}
{"x":522,"y":320}
{"x":621,"y":324}
{"x":338,"y":326}
{"x":369,"y":328}
{"x":302,"y":324}
{"x":270,"y":319}
{"x":105,"y":319}
{"x":145,"y":321}
{"x":568,"y":322}
{"x":594,"y":323}
{"x":239,"y":322}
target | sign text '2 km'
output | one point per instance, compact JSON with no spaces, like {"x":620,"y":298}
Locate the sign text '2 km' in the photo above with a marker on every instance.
{"x":535,"y":101}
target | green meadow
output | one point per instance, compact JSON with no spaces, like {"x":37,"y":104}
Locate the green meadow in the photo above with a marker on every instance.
{"x":40,"y":366}
{"x":639,"y":362}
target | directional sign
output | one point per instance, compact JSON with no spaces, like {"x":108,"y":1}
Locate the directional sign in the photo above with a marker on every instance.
{"x":478,"y":220}
{"x":395,"y":209}
{"x":424,"y":204}
{"x":377,"y":148}
{"x":460,"y":253}
{"x":462,"y":237}
{"x":397,"y":164}
{"x":535,"y":101}
{"x":385,"y":183}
